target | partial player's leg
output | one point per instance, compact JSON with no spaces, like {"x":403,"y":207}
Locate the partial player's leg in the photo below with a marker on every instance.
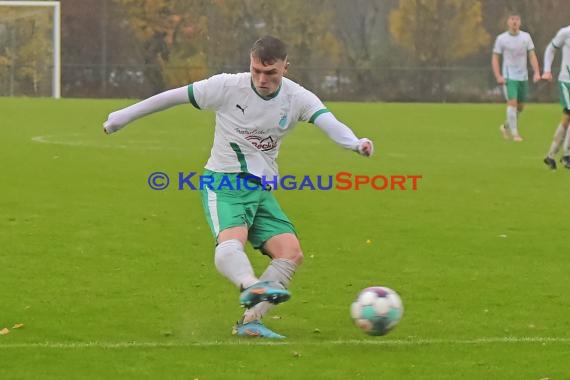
{"x":269,"y":225}
{"x":275,"y":235}
{"x":230,"y":257}
{"x":512,"y":120}
{"x":565,"y":101}
{"x":286,"y":255}
{"x":559,"y":134}
{"x":513,"y":91}
{"x":516,"y":136}
{"x":230,"y":213}
{"x":522,"y":95}
{"x":233,"y":263}
{"x":505,"y":127}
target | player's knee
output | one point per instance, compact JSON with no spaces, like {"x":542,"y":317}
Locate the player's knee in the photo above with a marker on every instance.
{"x":290,"y":252}
{"x":285,"y":246}
{"x":293,"y":253}
{"x":297,"y":256}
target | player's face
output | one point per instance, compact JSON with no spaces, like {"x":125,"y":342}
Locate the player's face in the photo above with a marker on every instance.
{"x":267,"y":78}
{"x":514,"y":23}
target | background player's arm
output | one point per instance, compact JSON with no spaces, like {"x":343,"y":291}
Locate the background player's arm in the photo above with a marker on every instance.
{"x":342,"y":135}
{"x":534,"y":65}
{"x":497,"y":68}
{"x":119,"y":119}
{"x":549,"y":54}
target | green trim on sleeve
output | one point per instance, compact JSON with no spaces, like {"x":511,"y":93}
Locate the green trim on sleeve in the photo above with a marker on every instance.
{"x":317,"y":114}
{"x":240,"y":157}
{"x":191,"y":96}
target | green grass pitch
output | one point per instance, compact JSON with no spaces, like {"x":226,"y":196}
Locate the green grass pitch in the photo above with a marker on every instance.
{"x":113,"y":280}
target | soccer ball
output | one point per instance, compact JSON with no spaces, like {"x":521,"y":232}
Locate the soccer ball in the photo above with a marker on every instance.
{"x":377,"y":310}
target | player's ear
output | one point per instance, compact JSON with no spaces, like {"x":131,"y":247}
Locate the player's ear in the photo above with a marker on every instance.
{"x":287,"y":65}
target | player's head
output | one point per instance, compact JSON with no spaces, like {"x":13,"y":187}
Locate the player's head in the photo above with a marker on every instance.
{"x":268,"y":64}
{"x":514,"y":21}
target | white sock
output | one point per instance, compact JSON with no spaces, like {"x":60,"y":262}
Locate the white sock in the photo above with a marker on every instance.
{"x":280,"y":271}
{"x":557,"y":141}
{"x":232,"y":262}
{"x":566,"y":145}
{"x":512,"y":120}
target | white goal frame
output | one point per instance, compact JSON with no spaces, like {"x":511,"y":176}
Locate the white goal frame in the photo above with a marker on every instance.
{"x":56,"y":36}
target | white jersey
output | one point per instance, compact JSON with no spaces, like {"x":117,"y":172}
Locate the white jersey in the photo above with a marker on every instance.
{"x":562,"y":41}
{"x":249,"y":128}
{"x":514,"y":48}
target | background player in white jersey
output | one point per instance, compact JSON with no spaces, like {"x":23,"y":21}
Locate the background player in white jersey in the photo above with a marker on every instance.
{"x":560,"y":41}
{"x":254,"y":111}
{"x":514,"y":46}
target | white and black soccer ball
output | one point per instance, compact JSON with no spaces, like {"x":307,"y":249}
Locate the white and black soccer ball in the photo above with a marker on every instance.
{"x":377,"y":310}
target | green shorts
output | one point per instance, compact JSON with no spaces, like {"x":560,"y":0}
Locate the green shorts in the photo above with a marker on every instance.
{"x":564,"y":89}
{"x":516,"y":89}
{"x":232,"y":201}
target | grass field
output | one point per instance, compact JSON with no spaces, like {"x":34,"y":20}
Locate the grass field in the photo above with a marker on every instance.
{"x":113,"y":280}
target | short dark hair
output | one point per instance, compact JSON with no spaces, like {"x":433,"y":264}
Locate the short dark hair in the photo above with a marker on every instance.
{"x":514,"y":13}
{"x":269,"y":49}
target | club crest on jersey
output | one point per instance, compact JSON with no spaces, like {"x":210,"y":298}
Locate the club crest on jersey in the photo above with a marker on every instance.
{"x":283,"y":121}
{"x":263,"y":144}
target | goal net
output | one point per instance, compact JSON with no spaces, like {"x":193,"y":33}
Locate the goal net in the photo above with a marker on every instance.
{"x":30,"y":48}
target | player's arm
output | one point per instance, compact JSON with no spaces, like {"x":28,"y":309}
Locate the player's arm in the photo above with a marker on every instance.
{"x":495,"y":64}
{"x":534,"y":65}
{"x":119,"y":119}
{"x":556,"y":43}
{"x":549,"y":54}
{"x":342,"y":135}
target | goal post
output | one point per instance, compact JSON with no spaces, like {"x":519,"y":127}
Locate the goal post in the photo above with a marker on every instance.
{"x":56,"y":37}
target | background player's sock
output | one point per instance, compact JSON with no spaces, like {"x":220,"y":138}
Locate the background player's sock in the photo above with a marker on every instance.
{"x":557,"y":141}
{"x":566,"y":145}
{"x":512,"y":120}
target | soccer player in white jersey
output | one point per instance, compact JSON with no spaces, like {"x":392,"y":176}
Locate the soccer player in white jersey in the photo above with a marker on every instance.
{"x":254,"y":112}
{"x":560,"y":41}
{"x":514,"y":46}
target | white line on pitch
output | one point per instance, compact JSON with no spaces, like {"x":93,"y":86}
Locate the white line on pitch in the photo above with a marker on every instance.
{"x":133,"y":145}
{"x":254,"y":342}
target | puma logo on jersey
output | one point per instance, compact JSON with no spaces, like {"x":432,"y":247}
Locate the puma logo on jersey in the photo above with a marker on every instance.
{"x":242,"y":109}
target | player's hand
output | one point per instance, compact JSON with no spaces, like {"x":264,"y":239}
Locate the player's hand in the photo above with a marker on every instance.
{"x":113,"y":123}
{"x":536,"y":77}
{"x":500,"y":79}
{"x":365,"y":147}
{"x":547,"y":76}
